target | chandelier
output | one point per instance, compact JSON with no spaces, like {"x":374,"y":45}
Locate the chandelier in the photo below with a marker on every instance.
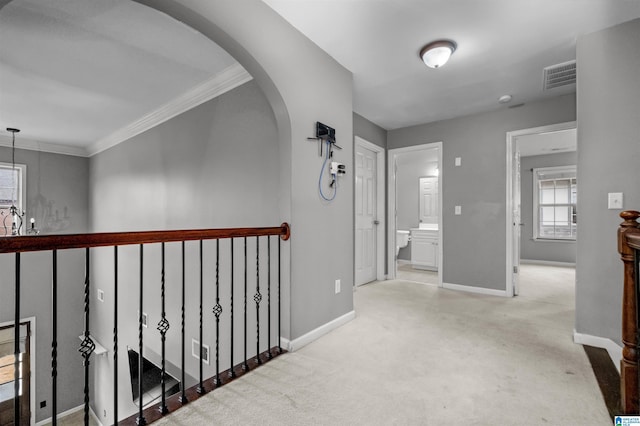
{"x":13,"y":220}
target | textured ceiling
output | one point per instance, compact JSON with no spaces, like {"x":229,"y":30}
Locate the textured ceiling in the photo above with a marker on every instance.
{"x":74,"y":71}
{"x":503,"y":46}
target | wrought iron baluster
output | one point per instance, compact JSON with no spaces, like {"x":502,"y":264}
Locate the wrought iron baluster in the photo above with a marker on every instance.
{"x":200,"y":388}
{"x":269,"y":355}
{"x":279,"y":300}
{"x":115,"y":335}
{"x":258,"y":298}
{"x":16,"y":344}
{"x":245,"y":365}
{"x":141,"y":420}
{"x":87,"y":346}
{"x":54,"y":339}
{"x":183,"y":395}
{"x":163,"y":327}
{"x":217,"y":310}
{"x":232,"y":372}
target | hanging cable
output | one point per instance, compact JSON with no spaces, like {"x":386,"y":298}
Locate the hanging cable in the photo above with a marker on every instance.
{"x":334,"y":182}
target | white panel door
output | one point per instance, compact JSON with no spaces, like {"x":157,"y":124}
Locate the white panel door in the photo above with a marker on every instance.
{"x":366,"y":220}
{"x":517,"y":224}
{"x":429,"y":199}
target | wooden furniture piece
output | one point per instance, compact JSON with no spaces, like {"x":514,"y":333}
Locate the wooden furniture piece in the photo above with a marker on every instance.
{"x":629,"y":249}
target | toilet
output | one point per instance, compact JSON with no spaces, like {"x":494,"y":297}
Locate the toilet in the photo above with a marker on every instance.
{"x":402,"y":239}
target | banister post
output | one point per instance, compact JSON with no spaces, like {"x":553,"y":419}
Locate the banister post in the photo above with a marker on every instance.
{"x":629,"y":362}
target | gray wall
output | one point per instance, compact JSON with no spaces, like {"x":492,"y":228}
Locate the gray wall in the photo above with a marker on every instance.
{"x":477,"y":238}
{"x":214,"y":166}
{"x":303,"y":85}
{"x":554,"y":251}
{"x":608,"y":158}
{"x":57,"y":196}
{"x":57,"y":189}
{"x":369,"y":131}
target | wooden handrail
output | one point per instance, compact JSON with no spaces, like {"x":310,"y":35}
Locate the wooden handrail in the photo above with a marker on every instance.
{"x":70,"y":241}
{"x":628,"y":242}
{"x":633,"y":241}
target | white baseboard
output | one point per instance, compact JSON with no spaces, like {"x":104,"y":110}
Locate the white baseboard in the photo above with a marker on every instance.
{"x":95,"y":417}
{"x":471,"y":289}
{"x":403,"y":262}
{"x":68,"y":413}
{"x":547,"y":262}
{"x":614,"y":350}
{"x":64,"y":414}
{"x":305,"y":339}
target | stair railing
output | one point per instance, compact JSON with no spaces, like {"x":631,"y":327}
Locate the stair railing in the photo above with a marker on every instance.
{"x":56,"y":243}
{"x":629,"y":249}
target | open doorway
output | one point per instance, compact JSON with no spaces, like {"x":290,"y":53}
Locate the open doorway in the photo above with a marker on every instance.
{"x":415,"y":214}
{"x":541,"y":199}
{"x":23,"y":365}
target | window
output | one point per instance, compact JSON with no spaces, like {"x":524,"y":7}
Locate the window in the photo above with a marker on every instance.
{"x":11,"y":193}
{"x":554,"y":203}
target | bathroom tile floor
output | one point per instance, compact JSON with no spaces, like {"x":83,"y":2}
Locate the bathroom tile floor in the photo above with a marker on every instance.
{"x":407,"y":273}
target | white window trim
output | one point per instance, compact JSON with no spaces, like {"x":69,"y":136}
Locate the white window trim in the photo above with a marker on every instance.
{"x":22,"y":194}
{"x":536,"y":198}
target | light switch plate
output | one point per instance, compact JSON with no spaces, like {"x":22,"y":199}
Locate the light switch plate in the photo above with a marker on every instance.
{"x":615,"y":200}
{"x":458,"y":161}
{"x":458,"y":210}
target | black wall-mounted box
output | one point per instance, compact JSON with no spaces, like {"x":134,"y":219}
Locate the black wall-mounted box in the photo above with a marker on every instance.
{"x":325,"y":132}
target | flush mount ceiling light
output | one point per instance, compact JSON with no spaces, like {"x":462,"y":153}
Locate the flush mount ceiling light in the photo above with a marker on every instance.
{"x":437,"y":53}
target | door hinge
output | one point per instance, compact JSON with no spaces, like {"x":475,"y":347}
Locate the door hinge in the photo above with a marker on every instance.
{"x":515,"y":269}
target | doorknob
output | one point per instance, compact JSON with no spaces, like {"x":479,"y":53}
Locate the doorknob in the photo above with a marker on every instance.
{"x":376,"y":222}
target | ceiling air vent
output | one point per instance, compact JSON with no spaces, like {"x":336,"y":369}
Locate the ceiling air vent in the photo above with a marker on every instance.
{"x":559,"y":75}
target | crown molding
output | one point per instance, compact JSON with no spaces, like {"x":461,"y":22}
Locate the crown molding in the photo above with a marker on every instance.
{"x":224,"y":81}
{"x":33,"y":145}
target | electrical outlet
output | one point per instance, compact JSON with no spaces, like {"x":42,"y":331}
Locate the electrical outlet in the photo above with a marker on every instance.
{"x":105,"y":413}
{"x":101,"y":295}
{"x":458,"y":210}
{"x":337,"y":286}
{"x":145,"y":318}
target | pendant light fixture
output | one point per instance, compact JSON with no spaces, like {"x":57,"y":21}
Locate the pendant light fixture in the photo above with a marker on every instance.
{"x":13,"y":221}
{"x":437,"y":53}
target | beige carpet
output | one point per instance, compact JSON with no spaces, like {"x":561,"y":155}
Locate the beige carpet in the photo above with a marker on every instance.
{"x":419,"y":355}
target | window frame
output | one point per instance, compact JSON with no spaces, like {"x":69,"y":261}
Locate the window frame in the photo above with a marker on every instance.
{"x":571,"y":172}
{"x":21,"y":193}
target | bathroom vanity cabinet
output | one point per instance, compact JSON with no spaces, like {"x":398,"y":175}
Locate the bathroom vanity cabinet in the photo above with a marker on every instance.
{"x":424,"y":249}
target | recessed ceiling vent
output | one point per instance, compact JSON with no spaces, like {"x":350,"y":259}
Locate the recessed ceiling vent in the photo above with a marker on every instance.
{"x":559,"y":75}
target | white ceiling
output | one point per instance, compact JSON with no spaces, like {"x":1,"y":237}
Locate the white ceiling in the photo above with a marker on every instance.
{"x":547,"y":143}
{"x":503,"y":46}
{"x":82,"y":73}
{"x":73,"y":72}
